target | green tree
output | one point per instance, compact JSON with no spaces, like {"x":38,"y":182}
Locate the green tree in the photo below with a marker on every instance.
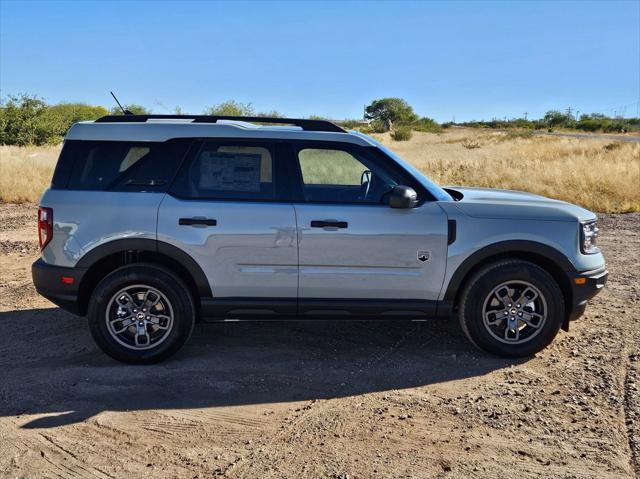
{"x":271,"y":114}
{"x":60,"y":117}
{"x":554,"y":118}
{"x":133,"y":108}
{"x":390,"y":111}
{"x":21,"y":121}
{"x":231,"y":108}
{"x":427,"y":124}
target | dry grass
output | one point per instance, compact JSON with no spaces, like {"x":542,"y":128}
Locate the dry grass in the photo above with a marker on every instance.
{"x":599,"y":175}
{"x":25,"y":172}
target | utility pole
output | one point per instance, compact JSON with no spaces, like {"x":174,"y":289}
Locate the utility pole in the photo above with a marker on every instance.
{"x":525,"y":115}
{"x":569,"y":112}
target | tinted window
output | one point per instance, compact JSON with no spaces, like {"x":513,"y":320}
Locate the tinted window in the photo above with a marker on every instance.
{"x":118,"y":165}
{"x":336,"y":176}
{"x":228,"y":171}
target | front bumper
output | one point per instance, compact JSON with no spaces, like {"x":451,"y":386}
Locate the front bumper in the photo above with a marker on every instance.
{"x":48,"y":280}
{"x":585,"y":285}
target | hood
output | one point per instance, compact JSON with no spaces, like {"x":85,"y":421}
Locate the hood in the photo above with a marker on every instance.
{"x":490,"y":203}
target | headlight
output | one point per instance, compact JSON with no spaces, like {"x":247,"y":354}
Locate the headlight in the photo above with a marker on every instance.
{"x":588,"y":236}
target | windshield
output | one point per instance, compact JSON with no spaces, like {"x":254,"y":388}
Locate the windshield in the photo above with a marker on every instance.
{"x":434,"y":189}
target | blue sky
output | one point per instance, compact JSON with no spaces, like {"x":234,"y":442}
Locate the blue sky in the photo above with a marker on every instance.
{"x":471,"y":60}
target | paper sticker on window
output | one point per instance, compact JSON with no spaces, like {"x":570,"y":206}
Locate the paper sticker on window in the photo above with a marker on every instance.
{"x":229,"y":171}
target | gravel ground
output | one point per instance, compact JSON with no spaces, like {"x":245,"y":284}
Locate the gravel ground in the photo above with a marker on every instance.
{"x":319,"y":399}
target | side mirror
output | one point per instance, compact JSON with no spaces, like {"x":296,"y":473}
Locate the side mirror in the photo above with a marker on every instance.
{"x":403,"y":197}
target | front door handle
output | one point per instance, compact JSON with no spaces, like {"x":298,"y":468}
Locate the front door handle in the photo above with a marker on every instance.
{"x":329,"y":224}
{"x":197,"y":222}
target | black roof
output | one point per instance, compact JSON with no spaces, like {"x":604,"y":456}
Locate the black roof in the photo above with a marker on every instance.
{"x":307,"y":125}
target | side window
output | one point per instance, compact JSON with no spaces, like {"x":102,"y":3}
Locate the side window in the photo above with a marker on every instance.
{"x":228,"y":171}
{"x":98,"y":166}
{"x":340,"y":176}
{"x":118,"y":165}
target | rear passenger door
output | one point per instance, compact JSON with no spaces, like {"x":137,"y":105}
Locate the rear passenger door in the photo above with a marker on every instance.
{"x":227,"y":209}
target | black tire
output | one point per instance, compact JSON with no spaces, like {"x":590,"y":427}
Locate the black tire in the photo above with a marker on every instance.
{"x":175,"y":292}
{"x":477,"y":291}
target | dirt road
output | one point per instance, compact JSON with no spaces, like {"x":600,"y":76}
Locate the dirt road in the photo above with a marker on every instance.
{"x":287,"y":399}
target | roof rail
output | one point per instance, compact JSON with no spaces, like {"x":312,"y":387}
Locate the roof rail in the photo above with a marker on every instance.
{"x":307,"y":125}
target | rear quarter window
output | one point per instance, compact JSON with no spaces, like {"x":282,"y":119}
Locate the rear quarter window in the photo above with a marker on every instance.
{"x":118,"y":165}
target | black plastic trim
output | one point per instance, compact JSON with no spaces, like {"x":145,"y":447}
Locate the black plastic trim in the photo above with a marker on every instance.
{"x":501,"y":248}
{"x":142,"y":244}
{"x":314,"y":308}
{"x":46,"y":279}
{"x":197,"y":222}
{"x":451,"y":231}
{"x":224,"y":307}
{"x":582,"y":293}
{"x":384,"y":308}
{"x":307,"y":125}
{"x":329,"y":224}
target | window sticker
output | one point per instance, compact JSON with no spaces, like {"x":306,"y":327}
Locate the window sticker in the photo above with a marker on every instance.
{"x":230,"y":171}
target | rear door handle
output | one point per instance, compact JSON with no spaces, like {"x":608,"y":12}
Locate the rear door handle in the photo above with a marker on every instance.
{"x":197,"y":222}
{"x":329,"y":224}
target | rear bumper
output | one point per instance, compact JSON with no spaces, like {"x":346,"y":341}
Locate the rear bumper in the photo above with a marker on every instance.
{"x":48,"y":282}
{"x":585,"y":285}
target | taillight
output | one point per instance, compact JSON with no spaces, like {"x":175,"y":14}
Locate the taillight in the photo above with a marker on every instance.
{"x":45,"y":226}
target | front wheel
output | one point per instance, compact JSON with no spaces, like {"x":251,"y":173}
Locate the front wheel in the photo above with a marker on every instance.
{"x":141,"y":314}
{"x":512,"y":308}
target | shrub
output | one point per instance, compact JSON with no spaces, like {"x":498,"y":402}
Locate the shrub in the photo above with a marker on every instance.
{"x":351,"y":124}
{"x":28,"y":120}
{"x":378,"y":126}
{"x":231,"y":108}
{"x":22,"y":122}
{"x":427,"y":125}
{"x":401,"y":133}
{"x":471,"y":144}
{"x":63,"y":115}
{"x":515,"y":134}
{"x":271,"y":114}
{"x":613,"y":146}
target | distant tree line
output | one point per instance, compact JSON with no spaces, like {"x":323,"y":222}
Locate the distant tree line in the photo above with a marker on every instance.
{"x":554,"y":120}
{"x":29,"y":120}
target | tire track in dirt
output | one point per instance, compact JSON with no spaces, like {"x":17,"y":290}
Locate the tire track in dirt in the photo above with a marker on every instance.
{"x":62,"y":462}
{"x":276,"y":444}
{"x":632,"y":404}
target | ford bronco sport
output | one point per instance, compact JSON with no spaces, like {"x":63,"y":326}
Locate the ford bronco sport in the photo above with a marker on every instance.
{"x":155,"y":222}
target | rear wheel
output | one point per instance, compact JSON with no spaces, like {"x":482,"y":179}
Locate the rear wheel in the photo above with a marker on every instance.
{"x":141,"y":314}
{"x":511,"y":308}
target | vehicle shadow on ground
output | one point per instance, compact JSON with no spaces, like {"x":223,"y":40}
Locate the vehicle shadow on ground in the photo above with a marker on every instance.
{"x":49,"y":364}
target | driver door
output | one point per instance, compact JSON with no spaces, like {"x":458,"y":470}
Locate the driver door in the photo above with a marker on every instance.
{"x":351,"y":243}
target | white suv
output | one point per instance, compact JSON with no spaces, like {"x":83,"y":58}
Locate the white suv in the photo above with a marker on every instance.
{"x":155,"y":222}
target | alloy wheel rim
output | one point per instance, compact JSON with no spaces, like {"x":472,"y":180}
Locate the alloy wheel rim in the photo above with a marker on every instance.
{"x":514,"y":312}
{"x":139,"y":317}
